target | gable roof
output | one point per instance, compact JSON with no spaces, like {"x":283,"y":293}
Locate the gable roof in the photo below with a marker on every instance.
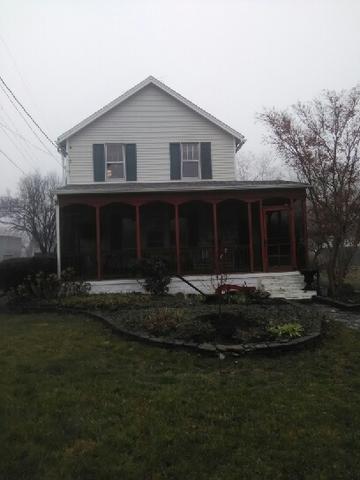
{"x":151,"y":81}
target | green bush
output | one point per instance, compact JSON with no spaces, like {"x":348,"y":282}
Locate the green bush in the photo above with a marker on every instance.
{"x":290,"y":330}
{"x":14,"y":270}
{"x":156,"y":274}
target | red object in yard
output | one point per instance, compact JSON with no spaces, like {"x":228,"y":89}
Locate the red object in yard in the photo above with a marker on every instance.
{"x":229,"y":288}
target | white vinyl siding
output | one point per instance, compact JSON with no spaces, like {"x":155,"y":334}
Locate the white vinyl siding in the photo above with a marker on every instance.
{"x":152,"y":120}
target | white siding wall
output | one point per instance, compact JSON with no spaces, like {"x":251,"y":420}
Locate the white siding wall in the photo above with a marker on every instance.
{"x":152,"y":119}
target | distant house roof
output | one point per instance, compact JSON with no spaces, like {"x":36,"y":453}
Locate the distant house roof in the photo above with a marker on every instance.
{"x":134,"y":187}
{"x":151,"y":81}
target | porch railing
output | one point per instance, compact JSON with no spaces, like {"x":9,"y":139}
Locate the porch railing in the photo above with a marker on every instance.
{"x":279,"y":254}
{"x":197,"y":259}
{"x":234,"y":258}
{"x":167,"y":253}
{"x":119,"y":263}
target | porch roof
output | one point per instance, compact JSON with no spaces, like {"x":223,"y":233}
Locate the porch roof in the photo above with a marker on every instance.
{"x":180,"y":187}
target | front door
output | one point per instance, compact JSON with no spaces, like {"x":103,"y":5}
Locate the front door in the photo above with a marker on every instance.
{"x":277,"y":235}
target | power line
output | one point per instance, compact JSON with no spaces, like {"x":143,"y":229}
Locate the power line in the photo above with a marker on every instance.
{"x":26,"y":112}
{"x":28,"y":124}
{"x":17,"y":147}
{"x":24,"y":139}
{"x":12,"y":161}
{"x":2,"y":39}
{"x":23,"y":146}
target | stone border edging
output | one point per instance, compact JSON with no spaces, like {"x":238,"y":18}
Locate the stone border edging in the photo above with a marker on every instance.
{"x":235,"y":350}
{"x":336,"y":303}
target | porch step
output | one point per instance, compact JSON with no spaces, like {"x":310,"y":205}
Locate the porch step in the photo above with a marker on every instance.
{"x":290,"y":287}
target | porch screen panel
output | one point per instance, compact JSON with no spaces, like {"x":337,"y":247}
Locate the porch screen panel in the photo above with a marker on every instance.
{"x":78,"y":240}
{"x":299,"y":234}
{"x":255,"y":212}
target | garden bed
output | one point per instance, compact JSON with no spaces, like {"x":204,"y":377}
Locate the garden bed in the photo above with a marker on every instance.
{"x":235,"y":323}
{"x":234,"y":328}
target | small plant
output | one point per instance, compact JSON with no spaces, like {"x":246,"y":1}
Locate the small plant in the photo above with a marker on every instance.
{"x":163,"y":321}
{"x":155,"y":271}
{"x":259,"y":294}
{"x":290,"y":330}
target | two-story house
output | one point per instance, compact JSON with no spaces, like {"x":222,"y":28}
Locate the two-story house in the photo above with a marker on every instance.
{"x":152,"y":174}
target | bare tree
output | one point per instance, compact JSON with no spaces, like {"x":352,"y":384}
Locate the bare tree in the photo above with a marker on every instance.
{"x":320,"y":140}
{"x":32,"y":209}
{"x":250,"y":166}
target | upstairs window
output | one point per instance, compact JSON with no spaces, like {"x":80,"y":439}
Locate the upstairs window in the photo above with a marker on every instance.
{"x":115,"y":161}
{"x":190,"y":160}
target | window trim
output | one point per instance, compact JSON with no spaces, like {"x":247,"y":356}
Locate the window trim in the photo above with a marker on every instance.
{"x":117,"y":179}
{"x":198,"y":161}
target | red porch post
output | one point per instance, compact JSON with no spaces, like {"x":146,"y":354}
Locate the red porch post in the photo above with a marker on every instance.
{"x":262,"y":239}
{"x":216,"y":238}
{"x":305,"y":231}
{"x":98,"y":241}
{"x":138,"y":232}
{"x":177,"y":239}
{"x":292,"y":234}
{"x":251,"y":247}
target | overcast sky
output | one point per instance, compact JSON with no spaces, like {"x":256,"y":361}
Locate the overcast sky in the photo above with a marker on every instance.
{"x":66,"y":59}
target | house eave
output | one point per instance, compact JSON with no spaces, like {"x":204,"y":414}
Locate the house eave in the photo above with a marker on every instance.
{"x":177,"y":186}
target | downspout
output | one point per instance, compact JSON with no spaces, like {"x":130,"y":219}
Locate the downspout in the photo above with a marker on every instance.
{"x":58,"y":250}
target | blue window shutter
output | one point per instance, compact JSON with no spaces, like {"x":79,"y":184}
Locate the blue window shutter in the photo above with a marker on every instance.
{"x":175,"y":161}
{"x":99,"y":162}
{"x":130,"y":159}
{"x":205,"y":160}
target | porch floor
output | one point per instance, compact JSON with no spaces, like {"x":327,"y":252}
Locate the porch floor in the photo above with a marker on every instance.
{"x":287,"y":285}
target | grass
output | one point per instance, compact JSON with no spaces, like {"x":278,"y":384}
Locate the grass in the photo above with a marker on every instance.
{"x":77,"y":402}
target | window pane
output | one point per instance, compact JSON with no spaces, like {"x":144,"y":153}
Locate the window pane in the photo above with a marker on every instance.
{"x":114,"y":152}
{"x":191,"y":169}
{"x":190,"y":151}
{"x":196,"y":155}
{"x":115,"y":170}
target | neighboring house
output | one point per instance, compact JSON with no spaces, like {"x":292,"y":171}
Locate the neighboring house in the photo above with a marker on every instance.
{"x":10,"y":244}
{"x":152,"y":174}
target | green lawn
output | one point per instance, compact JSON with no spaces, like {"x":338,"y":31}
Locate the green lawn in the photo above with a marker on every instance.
{"x":77,"y":402}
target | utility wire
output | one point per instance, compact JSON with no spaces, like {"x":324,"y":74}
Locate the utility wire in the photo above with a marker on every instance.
{"x":18,"y":148}
{"x":16,"y":67}
{"x":24,"y":139}
{"x":26,"y":151}
{"x":12,"y":161}
{"x":26,"y":112}
{"x":21,"y":146}
{"x":28,"y":124}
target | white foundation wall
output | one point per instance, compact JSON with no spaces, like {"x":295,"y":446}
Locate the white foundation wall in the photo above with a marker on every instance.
{"x":288,"y":285}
